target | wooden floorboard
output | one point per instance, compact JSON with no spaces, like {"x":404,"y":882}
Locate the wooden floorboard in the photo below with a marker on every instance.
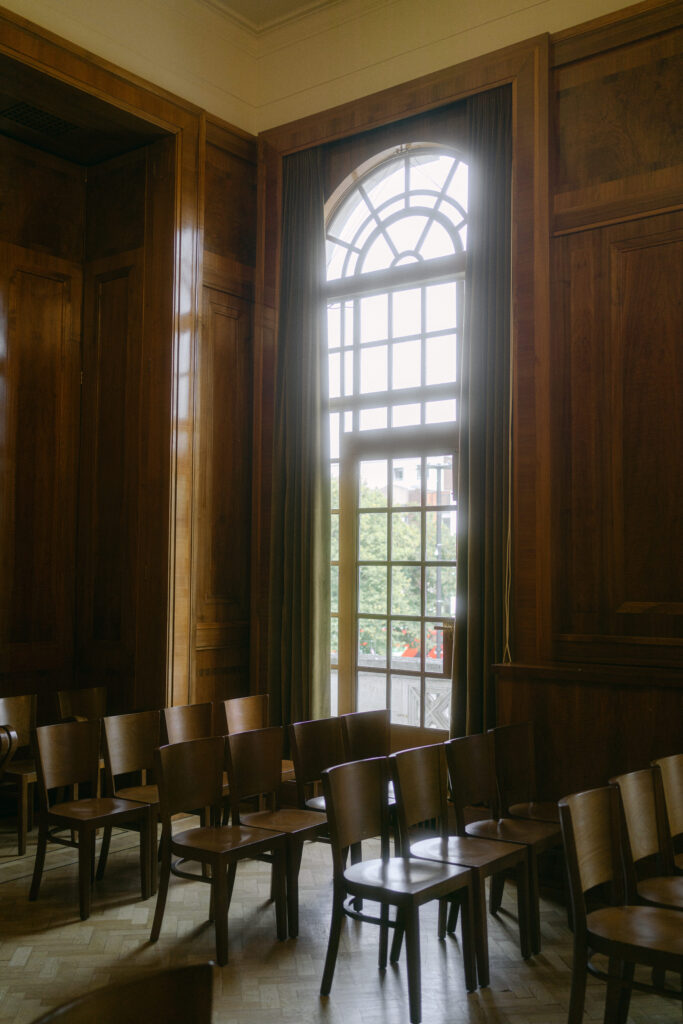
{"x":47,"y":955}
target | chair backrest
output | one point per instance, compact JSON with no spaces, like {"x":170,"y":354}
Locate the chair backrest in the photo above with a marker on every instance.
{"x":643,"y":821}
{"x":366,"y":734}
{"x":242,"y":714}
{"x":316,"y":745}
{"x":88,"y":702}
{"x":20,"y":713}
{"x":671,"y":771}
{"x":470,"y":772}
{"x":176,"y":996}
{"x":130,"y":742}
{"x":8,"y":746}
{"x":67,"y":754}
{"x":188,"y":722}
{"x":514,"y":763}
{"x":189,"y":775}
{"x":254,"y":765}
{"x":591,"y":834}
{"x":357,"y":806}
{"x":421,"y":788}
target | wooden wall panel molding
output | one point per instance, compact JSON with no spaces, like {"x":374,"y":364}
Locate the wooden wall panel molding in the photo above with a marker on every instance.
{"x":39,"y":412}
{"x":617,"y":425}
{"x":619,"y":133}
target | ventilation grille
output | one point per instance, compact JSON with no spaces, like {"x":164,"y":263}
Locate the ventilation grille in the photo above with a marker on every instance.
{"x":38,"y":120}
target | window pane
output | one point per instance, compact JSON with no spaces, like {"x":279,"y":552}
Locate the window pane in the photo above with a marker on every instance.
{"x":378,"y":257}
{"x":433,"y":647}
{"x":406,"y":371}
{"x":334,"y":435}
{"x":438,"y":242}
{"x":405,"y":590}
{"x":407,"y":312}
{"x":372,"y":589}
{"x":334,"y":639}
{"x":441,"y":363}
{"x":440,"y":412}
{"x":440,"y":313}
{"x":334,"y":485}
{"x":374,"y":318}
{"x":372,"y":642}
{"x":406,"y":232}
{"x":440,"y":536}
{"x":405,"y":415}
{"x":334,"y":369}
{"x":334,"y":588}
{"x":406,"y":537}
{"x":334,"y":538}
{"x":373,"y":369}
{"x":372,"y":692}
{"x":334,"y":325}
{"x":440,"y":590}
{"x":438,"y":703}
{"x":373,"y":419}
{"x":406,"y":481}
{"x":372,"y":537}
{"x":405,"y":700}
{"x":348,"y":372}
{"x":405,"y":644}
{"x":440,"y":480}
{"x":372,"y":476}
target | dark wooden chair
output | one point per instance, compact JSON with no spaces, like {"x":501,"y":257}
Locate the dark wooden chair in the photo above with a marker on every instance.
{"x":420,"y":780}
{"x":68,"y":755}
{"x":626,"y":935}
{"x":240,"y":714}
{"x":515,"y":769}
{"x":8,"y":745}
{"x":316,"y":745}
{"x":187,"y":722}
{"x":254,"y":770}
{"x":190,"y":775}
{"x":175,"y":996}
{"x":20,"y":713}
{"x":357,"y":806}
{"x":473,"y":783}
{"x":671,"y":776}
{"x":89,"y":702}
{"x":366,"y":734}
{"x":647,"y":854}
{"x":129,"y":745}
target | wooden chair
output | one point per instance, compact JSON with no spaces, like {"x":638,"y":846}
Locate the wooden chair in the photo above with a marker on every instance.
{"x":627,"y":935}
{"x":356,"y":798}
{"x":242,"y":714}
{"x":515,"y":768}
{"x":20,"y":713}
{"x":188,"y":722}
{"x":366,"y":734}
{"x":472,"y":780}
{"x":89,"y":702}
{"x":190,"y":775}
{"x":316,"y":745}
{"x":129,"y":745}
{"x":67,"y":755}
{"x":175,"y":996}
{"x":647,"y":854}
{"x":671,"y":776}
{"x":254,"y":770}
{"x":8,"y":745}
{"x":420,"y":780}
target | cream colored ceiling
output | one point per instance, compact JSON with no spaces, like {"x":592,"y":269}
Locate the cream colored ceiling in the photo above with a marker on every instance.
{"x":262,"y":14}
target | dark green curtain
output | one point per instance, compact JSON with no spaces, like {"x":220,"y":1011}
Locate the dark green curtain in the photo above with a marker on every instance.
{"x":484,"y":417}
{"x":298,"y":644}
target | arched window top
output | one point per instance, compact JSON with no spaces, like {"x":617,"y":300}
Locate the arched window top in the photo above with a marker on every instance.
{"x":410,"y":208}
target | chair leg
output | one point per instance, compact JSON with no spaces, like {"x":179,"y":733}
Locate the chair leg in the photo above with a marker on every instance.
{"x":534,"y":902}
{"x":523,"y":910}
{"x":333,"y":941}
{"x":356,"y":858}
{"x":86,"y":845}
{"x":397,"y":942}
{"x":577,"y":996}
{"x":452,"y":916}
{"x":39,"y":862}
{"x":444,"y":910}
{"x":481,"y":930}
{"x":468,"y":939}
{"x":22,"y":815}
{"x":104,"y":852}
{"x":219,"y":885}
{"x":412,"y":927}
{"x":618,"y":997}
{"x":383,"y":935}
{"x":162,"y":891}
{"x":145,"y":856}
{"x":497,"y":885}
{"x":294,"y":851}
{"x":278,"y":888}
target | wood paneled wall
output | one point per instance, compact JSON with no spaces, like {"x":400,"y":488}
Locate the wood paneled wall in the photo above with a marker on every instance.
{"x":598,"y":639}
{"x":223,"y":450}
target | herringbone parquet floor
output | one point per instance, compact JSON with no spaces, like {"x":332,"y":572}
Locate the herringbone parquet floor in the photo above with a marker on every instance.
{"x":47,"y":955}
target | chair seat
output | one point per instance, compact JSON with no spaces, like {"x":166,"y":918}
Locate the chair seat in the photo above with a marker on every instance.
{"x":224,"y":839}
{"x":647,"y":928}
{"x":148,"y":794}
{"x":18,"y":769}
{"x":541,"y":834}
{"x":290,"y":820}
{"x":667,"y":891}
{"x":95,"y":809}
{"x":536,"y":811}
{"x":403,"y":876}
{"x":468,"y":851}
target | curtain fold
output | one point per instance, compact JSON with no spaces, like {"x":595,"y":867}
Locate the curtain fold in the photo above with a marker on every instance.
{"x":298,"y":620}
{"x":484,"y":418}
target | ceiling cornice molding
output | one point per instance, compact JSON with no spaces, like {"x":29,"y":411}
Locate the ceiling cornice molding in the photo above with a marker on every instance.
{"x":256,"y":28}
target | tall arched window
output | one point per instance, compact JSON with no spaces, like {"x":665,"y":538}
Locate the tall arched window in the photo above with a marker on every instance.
{"x":396,"y":251}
